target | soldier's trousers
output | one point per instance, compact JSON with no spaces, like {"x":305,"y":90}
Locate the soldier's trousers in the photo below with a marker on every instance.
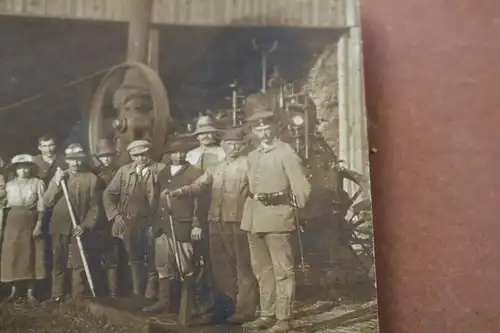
{"x":232,"y":271}
{"x":65,"y":254}
{"x":273,"y":265}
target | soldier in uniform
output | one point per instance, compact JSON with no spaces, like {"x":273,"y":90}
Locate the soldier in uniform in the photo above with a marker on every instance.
{"x":232,"y":271}
{"x":85,"y":195}
{"x":130,"y":202}
{"x":184,"y":214}
{"x":207,"y":155}
{"x":276,"y":180}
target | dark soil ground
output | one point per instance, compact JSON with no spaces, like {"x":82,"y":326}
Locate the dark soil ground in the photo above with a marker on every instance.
{"x":46,"y":317}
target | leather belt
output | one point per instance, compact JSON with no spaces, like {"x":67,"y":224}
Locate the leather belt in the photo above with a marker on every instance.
{"x":271,"y":199}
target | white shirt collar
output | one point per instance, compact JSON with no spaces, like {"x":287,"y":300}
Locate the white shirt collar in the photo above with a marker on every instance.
{"x":174,"y":169}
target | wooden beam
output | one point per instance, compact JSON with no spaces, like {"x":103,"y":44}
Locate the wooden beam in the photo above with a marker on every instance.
{"x":154,"y":49}
{"x":138,"y":32}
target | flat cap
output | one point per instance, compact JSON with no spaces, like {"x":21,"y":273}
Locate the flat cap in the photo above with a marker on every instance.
{"x":138,"y":147}
{"x":234,"y":134}
{"x":261,"y":118}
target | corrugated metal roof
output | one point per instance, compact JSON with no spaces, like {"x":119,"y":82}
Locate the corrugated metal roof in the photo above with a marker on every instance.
{"x":296,"y":13}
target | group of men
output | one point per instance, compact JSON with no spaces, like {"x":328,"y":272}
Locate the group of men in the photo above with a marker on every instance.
{"x":217,"y":218}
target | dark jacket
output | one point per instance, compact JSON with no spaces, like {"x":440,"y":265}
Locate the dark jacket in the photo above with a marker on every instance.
{"x":117,"y":194}
{"x":184,"y":210}
{"x":85,"y":193}
{"x":47,"y":171}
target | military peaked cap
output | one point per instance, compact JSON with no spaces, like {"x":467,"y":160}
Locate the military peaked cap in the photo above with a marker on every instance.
{"x":261,"y":118}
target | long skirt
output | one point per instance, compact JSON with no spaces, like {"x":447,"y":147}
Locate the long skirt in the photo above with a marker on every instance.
{"x":23,"y":256}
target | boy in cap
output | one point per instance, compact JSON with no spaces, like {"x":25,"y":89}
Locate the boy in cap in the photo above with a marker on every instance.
{"x":85,"y":195}
{"x":184,"y":215}
{"x":130,"y":202}
{"x":276,"y":184}
{"x":109,"y":256}
{"x":232,"y":271}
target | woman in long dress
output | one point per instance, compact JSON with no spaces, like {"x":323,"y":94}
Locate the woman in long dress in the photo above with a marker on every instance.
{"x":23,"y":248}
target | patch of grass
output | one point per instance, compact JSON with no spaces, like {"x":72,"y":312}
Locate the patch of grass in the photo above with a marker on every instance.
{"x":48,"y":317}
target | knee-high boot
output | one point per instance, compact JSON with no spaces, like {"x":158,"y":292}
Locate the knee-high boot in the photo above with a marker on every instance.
{"x":163,"y":302}
{"x":112,"y":281}
{"x":137,"y":272}
{"x":152,"y":286}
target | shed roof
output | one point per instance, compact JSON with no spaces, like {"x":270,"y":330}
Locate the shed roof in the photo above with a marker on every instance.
{"x":292,"y":13}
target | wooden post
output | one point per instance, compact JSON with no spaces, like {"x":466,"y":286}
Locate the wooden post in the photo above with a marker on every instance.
{"x":138,"y":31}
{"x":154,"y":49}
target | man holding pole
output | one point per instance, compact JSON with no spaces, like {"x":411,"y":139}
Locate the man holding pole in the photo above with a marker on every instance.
{"x":176,"y":227}
{"x":75,"y":198}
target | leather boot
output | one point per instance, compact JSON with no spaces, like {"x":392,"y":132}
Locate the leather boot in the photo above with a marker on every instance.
{"x":136,"y":272}
{"x":152,"y":286}
{"x":163,"y":297}
{"x":112,"y":282}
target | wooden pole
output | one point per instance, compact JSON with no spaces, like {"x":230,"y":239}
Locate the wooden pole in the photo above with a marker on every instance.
{"x":138,"y":31}
{"x":154,"y":49}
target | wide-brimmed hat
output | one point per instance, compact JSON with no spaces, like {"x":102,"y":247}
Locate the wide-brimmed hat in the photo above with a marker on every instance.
{"x":75,"y":152}
{"x":139,"y":147}
{"x":234,"y":134}
{"x":105,"y":148}
{"x":205,"y":124}
{"x":23,"y":159}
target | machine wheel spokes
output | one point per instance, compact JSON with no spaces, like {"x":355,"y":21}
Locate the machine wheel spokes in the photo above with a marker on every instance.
{"x":102,"y":115}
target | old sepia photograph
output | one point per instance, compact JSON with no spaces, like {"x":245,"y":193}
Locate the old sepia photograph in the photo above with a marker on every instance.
{"x":184,"y":166}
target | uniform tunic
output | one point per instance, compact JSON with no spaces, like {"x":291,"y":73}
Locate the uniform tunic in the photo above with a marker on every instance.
{"x":184,"y":212}
{"x":232,"y":271}
{"x":273,"y":169}
{"x":23,"y":256}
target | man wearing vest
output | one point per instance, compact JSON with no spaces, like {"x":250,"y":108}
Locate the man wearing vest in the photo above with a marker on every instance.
{"x":174,"y":251}
{"x":130,"y":202}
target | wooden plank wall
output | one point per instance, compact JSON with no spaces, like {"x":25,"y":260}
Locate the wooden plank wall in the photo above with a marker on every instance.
{"x":297,"y":13}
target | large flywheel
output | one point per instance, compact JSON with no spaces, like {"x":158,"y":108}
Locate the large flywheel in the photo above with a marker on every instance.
{"x":130,"y":103}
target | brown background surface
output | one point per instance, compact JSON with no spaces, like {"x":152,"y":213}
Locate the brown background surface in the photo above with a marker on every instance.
{"x":433,"y":95}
